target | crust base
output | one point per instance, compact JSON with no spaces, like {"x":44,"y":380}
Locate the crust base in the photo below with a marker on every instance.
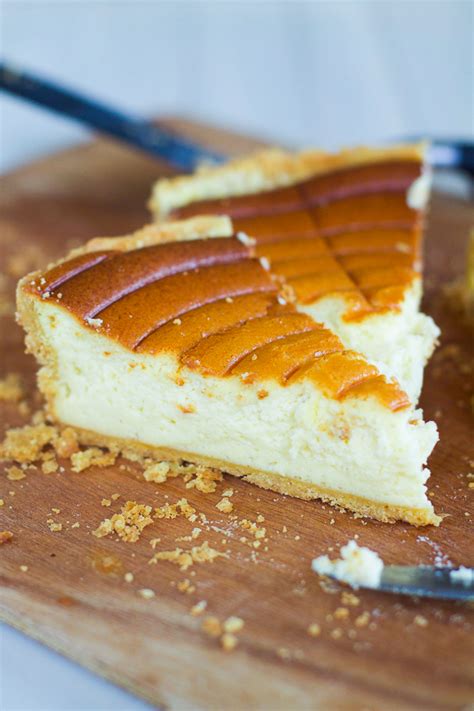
{"x":290,"y":486}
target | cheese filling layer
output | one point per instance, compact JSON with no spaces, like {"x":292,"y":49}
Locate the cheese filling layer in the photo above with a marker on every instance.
{"x":355,"y":446}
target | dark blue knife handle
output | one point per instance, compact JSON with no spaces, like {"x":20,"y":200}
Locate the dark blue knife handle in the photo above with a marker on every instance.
{"x":181,"y":153}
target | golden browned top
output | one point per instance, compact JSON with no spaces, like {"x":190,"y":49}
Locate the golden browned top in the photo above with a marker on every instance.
{"x":214,"y":306}
{"x":349,"y":231}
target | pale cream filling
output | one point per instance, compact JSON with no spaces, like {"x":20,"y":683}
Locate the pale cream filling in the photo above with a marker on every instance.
{"x":399,"y":343}
{"x":356,"y":446}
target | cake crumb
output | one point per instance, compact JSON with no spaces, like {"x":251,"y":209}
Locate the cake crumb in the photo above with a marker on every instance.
{"x":228,"y":642}
{"x":228,"y":493}
{"x":185,"y":586}
{"x":186,"y":558}
{"x":348,"y":598}
{"x":341,"y":613}
{"x":314,"y":630}
{"x":24,"y":568}
{"x":170,"y":511}
{"x":233,"y":624}
{"x":256,"y":531}
{"x":205,"y":480}
{"x":146,"y":593}
{"x":157,"y":472}
{"x":11,"y":388}
{"x":15,"y":473}
{"x":5,"y":536}
{"x":211,"y":626}
{"x":128,"y":524}
{"x":49,"y":466}
{"x":106,"y":502}
{"x":128,"y":577}
{"x":25,"y":444}
{"x":91,"y":457}
{"x":53,"y":526}
{"x":225,"y":505}
{"x":362,"y":620}
{"x":198,"y":608}
{"x":420,"y":621}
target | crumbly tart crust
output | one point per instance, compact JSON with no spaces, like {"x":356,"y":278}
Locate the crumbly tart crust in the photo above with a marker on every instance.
{"x":289,"y":486}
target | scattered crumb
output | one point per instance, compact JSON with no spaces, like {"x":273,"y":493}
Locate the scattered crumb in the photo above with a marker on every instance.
{"x":11,"y":388}
{"x":205,"y":480}
{"x":228,"y":493}
{"x":5,"y":536}
{"x":158,"y":472}
{"x":198,"y":554}
{"x":181,"y":507}
{"x":92,"y":457}
{"x":15,"y":473}
{"x":185,"y":586}
{"x":348,"y":598}
{"x":128,"y":577}
{"x":256,"y":531}
{"x":49,"y":466}
{"x":420,"y":621}
{"x":25,"y":444}
{"x":211,"y":626}
{"x":76,"y":525}
{"x":341,"y":613}
{"x":228,"y":642}
{"x":225,"y":505}
{"x":198,"y":608}
{"x":24,"y":568}
{"x":53,"y":526}
{"x":336,"y":633}
{"x":362,"y":620}
{"x":128,"y":524}
{"x":146,"y":593}
{"x":105,"y":502}
{"x":314,"y":630}
{"x":233,"y":624}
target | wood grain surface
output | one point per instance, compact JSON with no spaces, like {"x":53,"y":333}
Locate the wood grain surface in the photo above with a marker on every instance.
{"x":412,"y":654}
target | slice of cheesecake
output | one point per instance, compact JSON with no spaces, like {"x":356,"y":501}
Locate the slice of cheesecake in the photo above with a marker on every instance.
{"x":343,"y":229}
{"x":187,"y":348}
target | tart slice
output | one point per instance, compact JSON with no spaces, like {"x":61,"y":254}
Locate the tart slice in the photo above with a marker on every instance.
{"x":343,"y":229}
{"x":187,"y":348}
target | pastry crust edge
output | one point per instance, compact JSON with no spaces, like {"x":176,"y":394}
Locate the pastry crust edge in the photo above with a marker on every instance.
{"x":289,"y":486}
{"x":264,"y":170}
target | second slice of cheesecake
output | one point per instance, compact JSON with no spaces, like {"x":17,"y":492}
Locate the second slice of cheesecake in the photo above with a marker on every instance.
{"x":345,"y":231}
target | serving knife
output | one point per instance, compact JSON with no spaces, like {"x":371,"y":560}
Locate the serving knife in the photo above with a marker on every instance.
{"x":426,"y":581}
{"x":163,"y":143}
{"x":138,"y":132}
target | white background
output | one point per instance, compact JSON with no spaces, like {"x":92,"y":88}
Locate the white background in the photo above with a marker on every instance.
{"x":319,"y":73}
{"x":307,"y":73}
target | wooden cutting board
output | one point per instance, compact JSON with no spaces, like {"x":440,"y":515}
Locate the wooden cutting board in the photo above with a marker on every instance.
{"x":412,"y":654}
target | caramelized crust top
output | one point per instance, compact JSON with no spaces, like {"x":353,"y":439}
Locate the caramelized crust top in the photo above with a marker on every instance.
{"x":348,"y":232}
{"x":214,"y":306}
